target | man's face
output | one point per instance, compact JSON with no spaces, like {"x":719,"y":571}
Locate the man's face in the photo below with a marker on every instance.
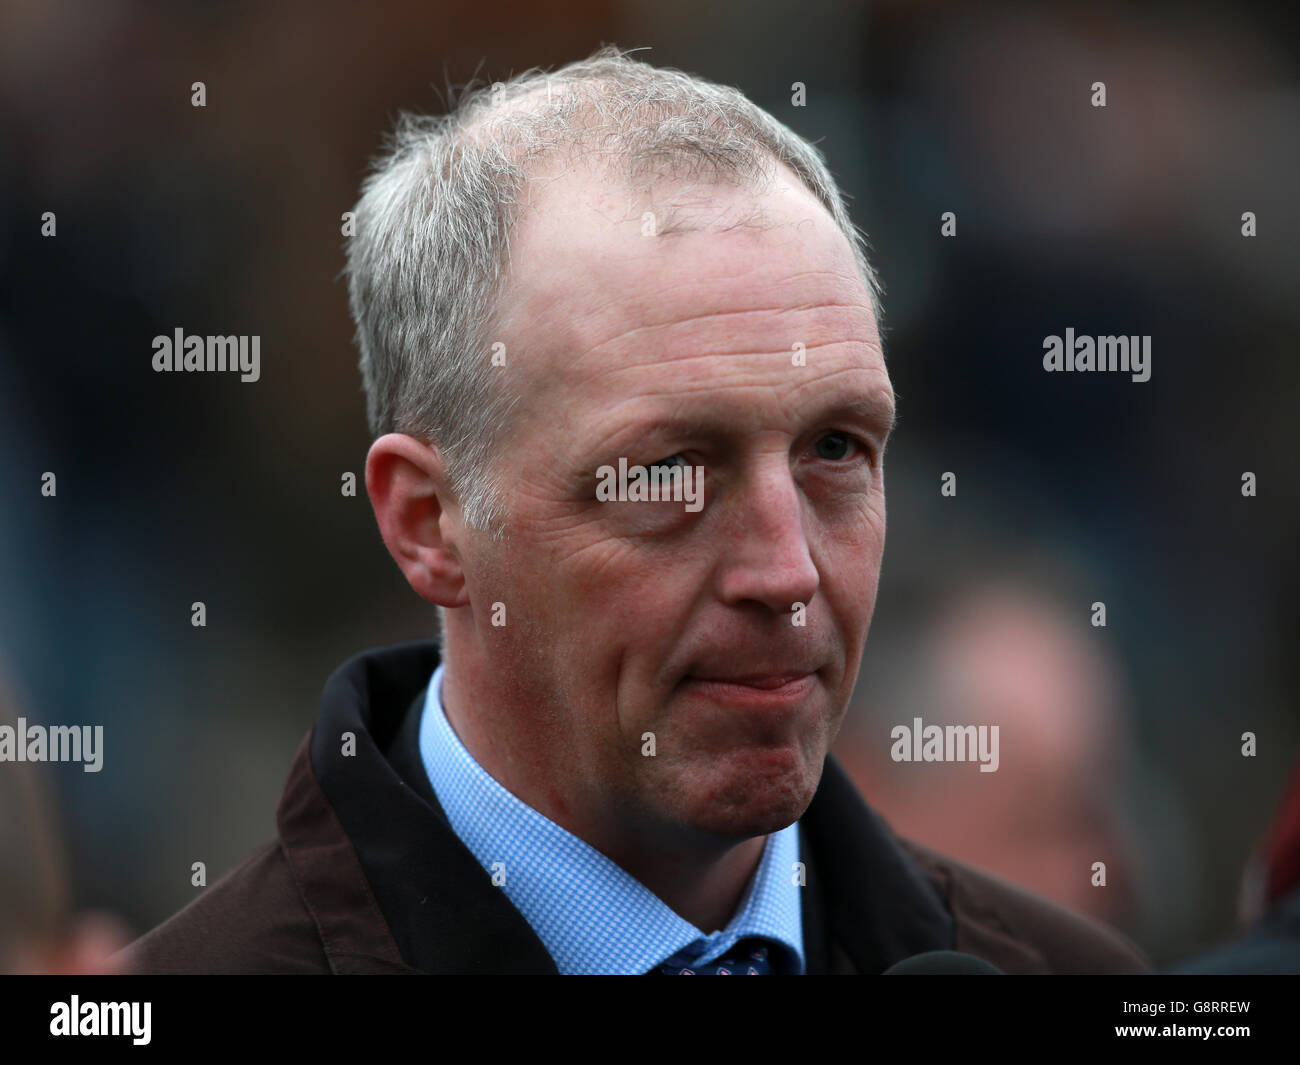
{"x":625,"y":618}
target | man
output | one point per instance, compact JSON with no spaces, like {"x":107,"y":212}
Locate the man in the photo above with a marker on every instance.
{"x":615,"y":761}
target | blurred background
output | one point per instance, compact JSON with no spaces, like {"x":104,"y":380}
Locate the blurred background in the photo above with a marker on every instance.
{"x":1119,"y":744}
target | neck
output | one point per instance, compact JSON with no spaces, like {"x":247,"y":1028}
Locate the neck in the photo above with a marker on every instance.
{"x":702,"y":878}
{"x":704,"y":887}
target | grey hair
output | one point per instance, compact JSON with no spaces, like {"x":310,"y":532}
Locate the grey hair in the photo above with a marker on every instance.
{"x":431,"y":242}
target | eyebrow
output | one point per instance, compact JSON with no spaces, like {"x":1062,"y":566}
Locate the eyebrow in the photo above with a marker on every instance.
{"x":871,"y":408}
{"x":874,"y":409}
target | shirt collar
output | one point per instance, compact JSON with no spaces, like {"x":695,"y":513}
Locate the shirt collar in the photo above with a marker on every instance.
{"x":592,"y":916}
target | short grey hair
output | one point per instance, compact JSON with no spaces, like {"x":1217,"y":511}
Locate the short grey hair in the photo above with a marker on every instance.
{"x":432,"y":225}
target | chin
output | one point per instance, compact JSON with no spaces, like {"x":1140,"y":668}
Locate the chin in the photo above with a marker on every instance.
{"x":743,"y":800}
{"x":748,"y":822}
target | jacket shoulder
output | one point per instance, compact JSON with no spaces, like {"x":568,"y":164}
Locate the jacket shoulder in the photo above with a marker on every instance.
{"x":1021,"y":932}
{"x":252,"y":920}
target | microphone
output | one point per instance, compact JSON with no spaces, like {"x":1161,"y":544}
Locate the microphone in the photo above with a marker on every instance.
{"x":943,"y":963}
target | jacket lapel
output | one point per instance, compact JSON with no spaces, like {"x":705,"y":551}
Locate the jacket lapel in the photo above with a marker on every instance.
{"x":434,"y":908}
{"x":880,"y":906}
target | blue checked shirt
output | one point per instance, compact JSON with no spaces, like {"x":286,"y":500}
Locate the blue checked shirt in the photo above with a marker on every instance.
{"x":591,"y":916}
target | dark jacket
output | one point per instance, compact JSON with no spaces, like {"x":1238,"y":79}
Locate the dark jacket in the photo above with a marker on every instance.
{"x":367,"y":875}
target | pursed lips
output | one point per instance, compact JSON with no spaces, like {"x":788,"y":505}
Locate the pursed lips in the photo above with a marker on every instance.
{"x":778,"y":691}
{"x":762,"y":681}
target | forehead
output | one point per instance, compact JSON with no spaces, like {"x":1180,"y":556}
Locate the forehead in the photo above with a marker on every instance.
{"x":596,"y":289}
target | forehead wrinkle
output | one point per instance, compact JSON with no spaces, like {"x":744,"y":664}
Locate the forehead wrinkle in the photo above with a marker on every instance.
{"x":734,"y":368}
{"x":712,"y":317}
{"x":552,"y":300}
{"x":564,"y":364}
{"x":726,"y":282}
{"x":885,"y":387}
{"x":875,"y":400}
{"x":879,"y":398}
{"x":712,"y":336}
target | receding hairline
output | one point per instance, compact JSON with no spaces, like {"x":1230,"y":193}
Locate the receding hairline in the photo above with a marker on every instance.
{"x":579,"y":106}
{"x":437,"y":209}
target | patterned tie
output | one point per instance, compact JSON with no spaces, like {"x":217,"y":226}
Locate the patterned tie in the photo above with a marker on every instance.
{"x":747,"y":957}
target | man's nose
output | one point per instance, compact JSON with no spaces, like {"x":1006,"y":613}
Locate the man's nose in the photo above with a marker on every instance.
{"x":767,"y":559}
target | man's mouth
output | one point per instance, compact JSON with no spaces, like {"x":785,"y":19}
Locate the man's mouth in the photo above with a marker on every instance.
{"x":757,"y":688}
{"x":766,"y":681}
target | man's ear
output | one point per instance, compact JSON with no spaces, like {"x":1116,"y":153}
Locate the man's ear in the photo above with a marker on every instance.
{"x":417,"y":516}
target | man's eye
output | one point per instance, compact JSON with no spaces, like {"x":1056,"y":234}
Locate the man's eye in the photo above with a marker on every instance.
{"x":668,"y":462}
{"x":835,"y":447}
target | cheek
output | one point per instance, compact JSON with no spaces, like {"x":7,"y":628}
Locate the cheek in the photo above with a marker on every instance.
{"x":851,"y":595}
{"x":600,"y":585}
{"x":850,"y":577}
{"x":621,"y":580}
{"x":853,"y":547}
{"x":602,"y":604}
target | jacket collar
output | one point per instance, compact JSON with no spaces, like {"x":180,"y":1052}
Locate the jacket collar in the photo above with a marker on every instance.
{"x":392,"y":888}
